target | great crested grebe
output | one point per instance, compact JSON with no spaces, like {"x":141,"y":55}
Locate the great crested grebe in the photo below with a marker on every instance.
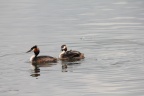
{"x":40,"y":59}
{"x":71,"y":54}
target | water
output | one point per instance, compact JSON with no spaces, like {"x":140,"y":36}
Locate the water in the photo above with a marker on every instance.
{"x":109,"y":33}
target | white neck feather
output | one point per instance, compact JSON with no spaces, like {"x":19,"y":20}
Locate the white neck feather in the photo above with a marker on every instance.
{"x":31,"y":58}
{"x":60,"y":55}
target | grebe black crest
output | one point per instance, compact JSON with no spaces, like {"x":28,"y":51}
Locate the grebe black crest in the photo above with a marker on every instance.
{"x":40,"y":59}
{"x":71,"y":54}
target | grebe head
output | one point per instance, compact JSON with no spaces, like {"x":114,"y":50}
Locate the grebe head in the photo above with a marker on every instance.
{"x":35,"y":49}
{"x":63,"y":48}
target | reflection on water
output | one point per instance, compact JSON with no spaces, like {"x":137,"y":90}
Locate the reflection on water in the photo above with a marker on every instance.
{"x":35,"y":73}
{"x":64,"y":66}
{"x":68,"y":64}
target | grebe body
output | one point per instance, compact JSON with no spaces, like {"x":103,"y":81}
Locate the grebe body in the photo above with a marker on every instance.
{"x":71,"y":54}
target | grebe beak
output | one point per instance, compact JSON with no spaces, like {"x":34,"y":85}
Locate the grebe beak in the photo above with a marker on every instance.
{"x":32,"y":48}
{"x":29,"y":51}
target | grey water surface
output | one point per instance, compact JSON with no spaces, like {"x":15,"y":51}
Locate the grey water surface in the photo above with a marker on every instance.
{"x":109,"y":32}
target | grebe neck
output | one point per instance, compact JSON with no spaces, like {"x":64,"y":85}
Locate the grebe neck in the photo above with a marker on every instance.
{"x":32,"y":57}
{"x":60,"y":55}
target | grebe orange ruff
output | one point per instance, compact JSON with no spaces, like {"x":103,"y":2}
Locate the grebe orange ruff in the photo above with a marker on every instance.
{"x":40,"y":59}
{"x":70,"y":55}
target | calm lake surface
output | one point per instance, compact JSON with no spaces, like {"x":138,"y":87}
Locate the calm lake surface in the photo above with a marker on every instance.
{"x":109,"y":32}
